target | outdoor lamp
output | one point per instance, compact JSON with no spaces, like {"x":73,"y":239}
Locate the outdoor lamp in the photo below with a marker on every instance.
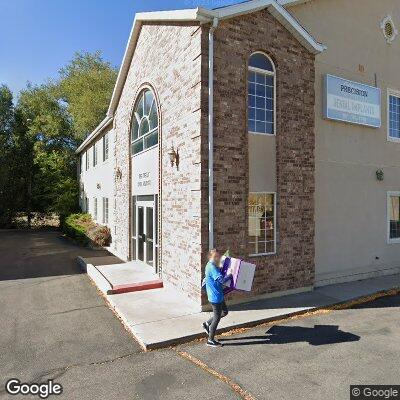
{"x":174,"y":157}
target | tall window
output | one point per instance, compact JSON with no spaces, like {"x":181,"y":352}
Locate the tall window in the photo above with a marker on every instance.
{"x":394,"y":115}
{"x":94,"y":154}
{"x":95,"y":208}
{"x":393,"y":213}
{"x":261,"y":95}
{"x":87,"y":160}
{"x":262,"y":223}
{"x":144,"y":130}
{"x":105,"y":147}
{"x":86,"y":204}
{"x":105,"y":210}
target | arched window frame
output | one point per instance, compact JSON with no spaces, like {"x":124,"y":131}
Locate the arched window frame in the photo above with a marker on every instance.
{"x":268,"y":73}
{"x":135,"y":117}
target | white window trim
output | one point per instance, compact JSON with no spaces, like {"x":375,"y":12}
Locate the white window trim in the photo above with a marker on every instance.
{"x":106,"y":138}
{"x":263,"y":71}
{"x":154,"y":104}
{"x":389,"y":195}
{"x":95,"y":154}
{"x":396,"y":93}
{"x":272,"y":252}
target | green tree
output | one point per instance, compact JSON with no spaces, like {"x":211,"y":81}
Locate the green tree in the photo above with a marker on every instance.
{"x":86,"y":84}
{"x":39,"y":135}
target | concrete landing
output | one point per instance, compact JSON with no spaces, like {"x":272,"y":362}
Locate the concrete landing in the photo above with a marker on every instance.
{"x":160,"y":318}
{"x":118,"y":277}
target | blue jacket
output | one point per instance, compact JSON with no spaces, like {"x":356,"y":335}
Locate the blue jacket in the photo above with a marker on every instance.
{"x":213,"y":282}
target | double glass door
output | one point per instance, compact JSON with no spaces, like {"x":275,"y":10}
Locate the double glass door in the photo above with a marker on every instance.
{"x":144,"y":230}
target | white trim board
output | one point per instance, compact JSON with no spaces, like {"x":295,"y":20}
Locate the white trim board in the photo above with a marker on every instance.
{"x":201,"y":16}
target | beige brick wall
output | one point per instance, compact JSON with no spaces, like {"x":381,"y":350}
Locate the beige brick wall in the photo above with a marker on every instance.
{"x":235,"y":40}
{"x":168,"y":57}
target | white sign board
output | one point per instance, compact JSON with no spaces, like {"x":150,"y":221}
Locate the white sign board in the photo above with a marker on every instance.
{"x":145,"y":173}
{"x":352,"y":102}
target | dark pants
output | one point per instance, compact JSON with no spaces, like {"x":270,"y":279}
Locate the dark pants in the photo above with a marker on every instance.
{"x":220,"y":310}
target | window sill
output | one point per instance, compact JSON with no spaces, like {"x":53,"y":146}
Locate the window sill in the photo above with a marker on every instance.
{"x":393,"y":139}
{"x":262,"y":254}
{"x":262,"y":134}
{"x":393,"y":241}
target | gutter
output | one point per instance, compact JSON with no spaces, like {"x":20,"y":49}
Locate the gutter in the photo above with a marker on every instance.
{"x":211,"y":133}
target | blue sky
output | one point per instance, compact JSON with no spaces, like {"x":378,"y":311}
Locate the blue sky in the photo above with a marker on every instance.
{"x":38,"y":37}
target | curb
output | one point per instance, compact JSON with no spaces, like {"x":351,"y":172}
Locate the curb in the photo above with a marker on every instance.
{"x":231,"y":330}
{"x":242,"y":327}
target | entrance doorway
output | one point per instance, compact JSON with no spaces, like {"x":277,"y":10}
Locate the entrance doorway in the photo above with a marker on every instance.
{"x":144,"y":230}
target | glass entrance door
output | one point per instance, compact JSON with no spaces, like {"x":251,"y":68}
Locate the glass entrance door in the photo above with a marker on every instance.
{"x":149,"y":235}
{"x":141,"y":233}
{"x":144,"y":231}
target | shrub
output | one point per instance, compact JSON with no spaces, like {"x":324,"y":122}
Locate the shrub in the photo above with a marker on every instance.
{"x":84,"y":230}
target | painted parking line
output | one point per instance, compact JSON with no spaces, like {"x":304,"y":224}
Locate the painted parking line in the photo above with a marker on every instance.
{"x":244,"y":394}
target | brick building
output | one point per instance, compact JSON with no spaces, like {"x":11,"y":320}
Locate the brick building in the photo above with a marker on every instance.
{"x":215,"y":137}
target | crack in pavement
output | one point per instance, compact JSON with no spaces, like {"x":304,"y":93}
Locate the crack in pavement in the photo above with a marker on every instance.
{"x":58,"y":372}
{"x":244,"y":394}
{"x":77,"y":309}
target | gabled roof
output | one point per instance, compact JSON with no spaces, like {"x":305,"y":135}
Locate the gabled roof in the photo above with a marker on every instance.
{"x":203,"y":15}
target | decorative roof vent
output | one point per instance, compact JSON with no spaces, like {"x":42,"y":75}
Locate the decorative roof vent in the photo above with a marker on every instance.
{"x":388,"y":29}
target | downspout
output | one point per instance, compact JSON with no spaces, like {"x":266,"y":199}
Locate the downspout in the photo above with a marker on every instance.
{"x":211,"y":133}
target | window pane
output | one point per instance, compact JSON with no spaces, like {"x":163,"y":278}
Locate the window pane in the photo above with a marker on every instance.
{"x":269,"y":80}
{"x":139,"y":107}
{"x":261,"y":223}
{"x":252,"y":113}
{"x":148,"y":101}
{"x":260,"y":102}
{"x":269,"y":128}
{"x":260,"y":78}
{"x":260,"y":90}
{"x":135,"y":129}
{"x":252,"y":101}
{"x":252,"y":76}
{"x":151,"y":139}
{"x":394,"y":116}
{"x":153,"y":118}
{"x":260,"y":114}
{"x":394,"y":215}
{"x":252,"y":126}
{"x":137,"y":146}
{"x":144,"y":127}
{"x":259,"y":60}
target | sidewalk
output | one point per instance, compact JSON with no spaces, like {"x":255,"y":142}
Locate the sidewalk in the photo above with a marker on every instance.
{"x":157,"y":318}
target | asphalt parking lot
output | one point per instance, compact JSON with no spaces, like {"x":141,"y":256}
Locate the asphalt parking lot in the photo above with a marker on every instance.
{"x":54,"y":325}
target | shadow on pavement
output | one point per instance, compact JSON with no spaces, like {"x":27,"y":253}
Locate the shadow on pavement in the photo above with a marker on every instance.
{"x":316,"y":336}
{"x":383,"y":302}
{"x":37,"y":254}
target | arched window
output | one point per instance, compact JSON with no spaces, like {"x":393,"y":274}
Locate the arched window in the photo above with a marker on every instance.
{"x":144,"y":129}
{"x":261,"y":95}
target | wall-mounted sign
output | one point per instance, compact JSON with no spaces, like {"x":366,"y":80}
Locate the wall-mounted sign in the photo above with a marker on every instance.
{"x":145,"y":173}
{"x":352,"y":102}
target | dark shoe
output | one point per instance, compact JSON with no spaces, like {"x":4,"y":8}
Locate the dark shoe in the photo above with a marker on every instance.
{"x":214,"y":343}
{"x":206,"y":327}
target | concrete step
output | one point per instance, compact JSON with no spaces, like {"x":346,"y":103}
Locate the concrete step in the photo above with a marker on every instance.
{"x":136,"y":287}
{"x":119,"y":278}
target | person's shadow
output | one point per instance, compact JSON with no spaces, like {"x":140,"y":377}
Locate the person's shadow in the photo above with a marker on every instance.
{"x":316,"y":336}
